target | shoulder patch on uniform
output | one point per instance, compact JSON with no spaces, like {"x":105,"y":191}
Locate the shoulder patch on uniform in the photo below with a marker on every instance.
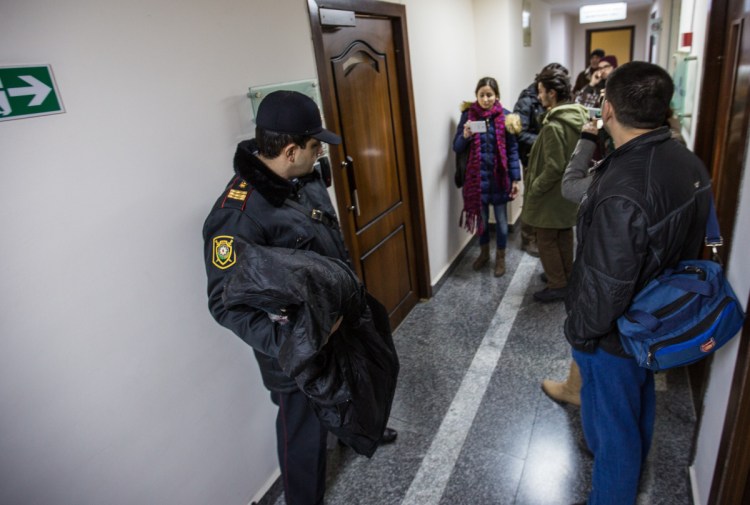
{"x":236,"y":195}
{"x":224,"y":255}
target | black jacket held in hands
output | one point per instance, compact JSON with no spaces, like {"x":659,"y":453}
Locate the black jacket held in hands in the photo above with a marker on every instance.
{"x":349,"y":376}
{"x":252,"y":209}
{"x":645,"y":210}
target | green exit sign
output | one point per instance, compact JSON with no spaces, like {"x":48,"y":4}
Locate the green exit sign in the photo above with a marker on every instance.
{"x":28,"y":92}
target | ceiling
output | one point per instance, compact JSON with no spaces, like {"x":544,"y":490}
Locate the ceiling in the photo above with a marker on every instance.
{"x":572,"y":6}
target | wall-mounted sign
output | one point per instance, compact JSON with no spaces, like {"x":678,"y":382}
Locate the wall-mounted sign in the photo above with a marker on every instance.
{"x":307,"y":87}
{"x":28,"y":92}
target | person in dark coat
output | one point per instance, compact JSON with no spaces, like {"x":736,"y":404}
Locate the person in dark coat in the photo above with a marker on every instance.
{"x":492,"y":170}
{"x":645,"y":210}
{"x":271,"y":170}
{"x":585,"y":76}
{"x":592,"y":94}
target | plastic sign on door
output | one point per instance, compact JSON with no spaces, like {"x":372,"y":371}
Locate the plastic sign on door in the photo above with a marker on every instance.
{"x":28,"y":92}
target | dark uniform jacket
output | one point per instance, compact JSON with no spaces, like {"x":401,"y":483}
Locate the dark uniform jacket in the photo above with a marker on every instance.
{"x":252,"y":208}
{"x":645,"y":210}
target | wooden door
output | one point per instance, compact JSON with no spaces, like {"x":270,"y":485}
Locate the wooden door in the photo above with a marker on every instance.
{"x":614,"y":41}
{"x":365,"y":95}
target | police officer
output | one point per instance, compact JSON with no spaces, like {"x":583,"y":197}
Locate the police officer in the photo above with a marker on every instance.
{"x":269,"y":202}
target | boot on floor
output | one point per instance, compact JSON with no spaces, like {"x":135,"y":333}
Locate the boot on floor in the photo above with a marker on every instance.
{"x":483,"y":258}
{"x":499,"y":262}
{"x":568,"y":391}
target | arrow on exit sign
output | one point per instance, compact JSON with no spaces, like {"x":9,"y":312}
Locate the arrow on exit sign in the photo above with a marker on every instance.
{"x":28,"y":92}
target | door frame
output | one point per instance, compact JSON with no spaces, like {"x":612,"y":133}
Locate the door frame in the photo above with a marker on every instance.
{"x":732,"y":467}
{"x":397,"y":14}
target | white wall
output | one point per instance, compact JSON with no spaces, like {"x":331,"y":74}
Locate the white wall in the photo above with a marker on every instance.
{"x":444,"y":72}
{"x":561,"y":31}
{"x":116,"y":385}
{"x":499,"y":45}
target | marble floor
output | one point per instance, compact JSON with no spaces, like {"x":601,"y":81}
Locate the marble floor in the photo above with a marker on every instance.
{"x":474,"y":426}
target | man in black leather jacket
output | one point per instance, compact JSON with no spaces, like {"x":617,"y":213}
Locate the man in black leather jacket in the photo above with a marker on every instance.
{"x":645,"y":210}
{"x":271,"y":170}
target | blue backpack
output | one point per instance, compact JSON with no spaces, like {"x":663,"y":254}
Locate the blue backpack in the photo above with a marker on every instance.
{"x":683,"y":315}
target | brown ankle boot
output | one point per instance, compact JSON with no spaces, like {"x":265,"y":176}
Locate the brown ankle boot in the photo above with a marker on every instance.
{"x":499,"y":262}
{"x":568,"y":391}
{"x":483,"y":258}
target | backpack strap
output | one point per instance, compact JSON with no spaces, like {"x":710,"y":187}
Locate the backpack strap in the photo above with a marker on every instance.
{"x":713,"y":234}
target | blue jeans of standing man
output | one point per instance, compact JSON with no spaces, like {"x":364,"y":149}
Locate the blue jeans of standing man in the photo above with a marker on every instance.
{"x":501,"y":225}
{"x":618,"y":406}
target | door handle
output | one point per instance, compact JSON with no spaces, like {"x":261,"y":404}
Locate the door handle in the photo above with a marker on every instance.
{"x":348,"y":165}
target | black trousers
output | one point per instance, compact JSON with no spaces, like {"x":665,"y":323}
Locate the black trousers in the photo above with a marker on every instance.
{"x":301,"y":445}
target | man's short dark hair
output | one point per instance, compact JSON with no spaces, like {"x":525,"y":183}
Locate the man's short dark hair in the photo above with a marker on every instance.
{"x":640,"y":93}
{"x":271,"y":143}
{"x":597,"y":52}
{"x":556,"y":79}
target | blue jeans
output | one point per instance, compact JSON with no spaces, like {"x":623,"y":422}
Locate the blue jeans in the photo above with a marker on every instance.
{"x":618,"y":406}
{"x":501,"y":225}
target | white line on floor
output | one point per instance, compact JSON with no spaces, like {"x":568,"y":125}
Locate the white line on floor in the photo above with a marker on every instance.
{"x":429,"y":484}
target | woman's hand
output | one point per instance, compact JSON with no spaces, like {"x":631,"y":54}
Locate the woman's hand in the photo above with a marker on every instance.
{"x":467,"y":130}
{"x":514,"y":189}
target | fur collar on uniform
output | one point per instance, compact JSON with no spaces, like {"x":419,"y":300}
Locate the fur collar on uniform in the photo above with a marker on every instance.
{"x":271,"y":186}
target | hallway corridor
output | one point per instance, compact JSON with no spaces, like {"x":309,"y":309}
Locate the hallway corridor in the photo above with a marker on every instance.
{"x":475,"y":427}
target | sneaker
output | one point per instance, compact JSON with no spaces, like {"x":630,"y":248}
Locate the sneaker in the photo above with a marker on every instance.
{"x":550,"y":295}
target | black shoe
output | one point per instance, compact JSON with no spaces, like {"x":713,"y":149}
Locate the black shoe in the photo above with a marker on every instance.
{"x":389,"y":436}
{"x":550,"y":295}
{"x":544,"y":277}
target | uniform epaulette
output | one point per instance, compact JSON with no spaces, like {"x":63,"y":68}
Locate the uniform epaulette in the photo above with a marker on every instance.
{"x":236,"y":194}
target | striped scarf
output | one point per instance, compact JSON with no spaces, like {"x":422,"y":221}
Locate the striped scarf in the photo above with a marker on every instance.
{"x":471,"y":216}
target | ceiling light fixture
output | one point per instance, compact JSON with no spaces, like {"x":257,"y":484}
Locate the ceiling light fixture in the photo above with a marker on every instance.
{"x":603,"y":12}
